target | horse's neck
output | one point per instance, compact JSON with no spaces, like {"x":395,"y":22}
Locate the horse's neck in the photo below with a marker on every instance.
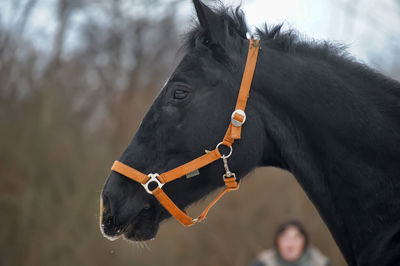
{"x":340,"y":153}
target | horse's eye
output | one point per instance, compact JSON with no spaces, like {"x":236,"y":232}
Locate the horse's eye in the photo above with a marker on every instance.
{"x":180,"y":94}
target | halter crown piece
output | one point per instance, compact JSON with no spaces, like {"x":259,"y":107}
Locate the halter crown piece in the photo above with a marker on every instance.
{"x":234,"y":132}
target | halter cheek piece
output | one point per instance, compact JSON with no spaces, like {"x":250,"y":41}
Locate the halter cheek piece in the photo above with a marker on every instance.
{"x":234,"y":132}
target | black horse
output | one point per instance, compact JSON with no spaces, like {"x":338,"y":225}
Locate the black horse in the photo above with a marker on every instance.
{"x":334,"y":123}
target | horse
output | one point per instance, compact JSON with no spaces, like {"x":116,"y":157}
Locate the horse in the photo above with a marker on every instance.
{"x":312,"y":110}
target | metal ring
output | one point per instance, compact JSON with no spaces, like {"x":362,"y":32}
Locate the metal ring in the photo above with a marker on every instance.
{"x":153,"y":178}
{"x":230,"y":152}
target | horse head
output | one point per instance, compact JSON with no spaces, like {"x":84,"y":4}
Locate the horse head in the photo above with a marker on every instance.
{"x":190,"y":115}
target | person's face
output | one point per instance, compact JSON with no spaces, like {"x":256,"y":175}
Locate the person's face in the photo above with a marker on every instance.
{"x":291,"y":244}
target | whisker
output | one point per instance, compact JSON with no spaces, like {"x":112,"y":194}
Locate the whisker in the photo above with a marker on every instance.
{"x":147,"y":246}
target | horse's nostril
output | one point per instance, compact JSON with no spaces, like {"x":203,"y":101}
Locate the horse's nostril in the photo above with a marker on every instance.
{"x":109,"y":221}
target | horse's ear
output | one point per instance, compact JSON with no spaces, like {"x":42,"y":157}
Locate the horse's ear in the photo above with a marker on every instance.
{"x":206,"y":18}
{"x":201,"y":10}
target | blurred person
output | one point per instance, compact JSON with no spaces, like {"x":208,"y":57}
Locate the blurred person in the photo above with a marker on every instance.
{"x":291,"y":248}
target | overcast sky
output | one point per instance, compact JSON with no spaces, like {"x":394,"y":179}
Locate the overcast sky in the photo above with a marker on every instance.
{"x":369,"y":27}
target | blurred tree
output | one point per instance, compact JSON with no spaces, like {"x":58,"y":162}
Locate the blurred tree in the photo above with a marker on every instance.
{"x":53,"y":121}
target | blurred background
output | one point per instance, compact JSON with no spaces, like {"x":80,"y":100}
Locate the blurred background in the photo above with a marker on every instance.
{"x":76,"y":78}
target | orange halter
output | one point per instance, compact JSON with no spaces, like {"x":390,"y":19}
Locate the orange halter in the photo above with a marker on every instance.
{"x":234,"y":131}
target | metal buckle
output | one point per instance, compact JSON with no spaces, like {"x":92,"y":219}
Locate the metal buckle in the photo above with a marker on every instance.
{"x":235,"y":122}
{"x":153,"y":178}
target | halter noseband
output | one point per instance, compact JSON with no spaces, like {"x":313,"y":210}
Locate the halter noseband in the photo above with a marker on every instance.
{"x":234,"y":132}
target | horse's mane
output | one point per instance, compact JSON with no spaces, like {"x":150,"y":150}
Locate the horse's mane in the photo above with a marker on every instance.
{"x":271,"y":36}
{"x":289,"y":41}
